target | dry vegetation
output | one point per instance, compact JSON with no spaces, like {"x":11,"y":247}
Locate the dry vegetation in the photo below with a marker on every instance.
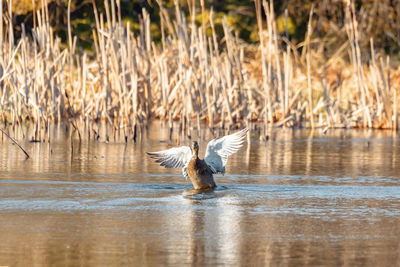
{"x":191,"y":77}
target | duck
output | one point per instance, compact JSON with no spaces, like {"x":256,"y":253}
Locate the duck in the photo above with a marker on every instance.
{"x":201,"y":171}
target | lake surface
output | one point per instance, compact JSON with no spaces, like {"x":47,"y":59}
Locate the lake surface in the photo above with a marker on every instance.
{"x":300,"y":198}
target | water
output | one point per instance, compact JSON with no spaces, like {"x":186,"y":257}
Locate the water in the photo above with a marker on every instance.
{"x":301,"y":198}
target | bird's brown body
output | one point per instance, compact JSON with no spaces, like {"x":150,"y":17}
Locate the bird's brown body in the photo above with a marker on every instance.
{"x":200,"y":174}
{"x":200,"y":171}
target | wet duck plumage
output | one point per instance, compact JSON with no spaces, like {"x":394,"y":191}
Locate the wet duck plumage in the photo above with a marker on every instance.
{"x":200,"y":171}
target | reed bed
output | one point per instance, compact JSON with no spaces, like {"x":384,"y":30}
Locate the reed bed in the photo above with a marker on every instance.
{"x":191,"y":77}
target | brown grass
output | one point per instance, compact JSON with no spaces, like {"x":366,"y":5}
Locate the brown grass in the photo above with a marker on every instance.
{"x":191,"y":77}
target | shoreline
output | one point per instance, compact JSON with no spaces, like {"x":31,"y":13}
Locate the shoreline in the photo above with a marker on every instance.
{"x":192,"y":78}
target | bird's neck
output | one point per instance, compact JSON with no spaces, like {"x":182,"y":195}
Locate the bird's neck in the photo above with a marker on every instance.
{"x":196,"y":154}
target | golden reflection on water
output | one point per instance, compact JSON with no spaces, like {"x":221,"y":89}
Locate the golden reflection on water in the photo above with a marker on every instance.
{"x":302,"y":198}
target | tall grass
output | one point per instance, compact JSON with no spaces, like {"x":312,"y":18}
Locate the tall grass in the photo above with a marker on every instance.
{"x":191,"y":76}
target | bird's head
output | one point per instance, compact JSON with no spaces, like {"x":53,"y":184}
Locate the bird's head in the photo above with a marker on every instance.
{"x":195,"y":148}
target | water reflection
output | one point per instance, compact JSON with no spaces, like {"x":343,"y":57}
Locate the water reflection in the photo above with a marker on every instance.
{"x":302,"y":198}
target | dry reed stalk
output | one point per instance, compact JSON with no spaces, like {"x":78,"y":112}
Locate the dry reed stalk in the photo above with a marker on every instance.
{"x":189,"y":77}
{"x":352,"y":32}
{"x":374,"y":75}
{"x":276,"y":53}
{"x":308,"y":59}
{"x":15,"y":142}
{"x":1,"y":25}
{"x":267,"y":98}
{"x":395,"y":113}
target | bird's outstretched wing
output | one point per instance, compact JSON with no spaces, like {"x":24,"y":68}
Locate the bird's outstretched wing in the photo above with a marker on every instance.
{"x":176,"y":157}
{"x":218,"y":150}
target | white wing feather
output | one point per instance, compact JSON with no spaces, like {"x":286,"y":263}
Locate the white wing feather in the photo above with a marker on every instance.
{"x":176,"y":157}
{"x":218,"y":150}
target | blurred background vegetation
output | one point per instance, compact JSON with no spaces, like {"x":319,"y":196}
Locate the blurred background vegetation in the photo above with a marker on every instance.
{"x":379,"y":20}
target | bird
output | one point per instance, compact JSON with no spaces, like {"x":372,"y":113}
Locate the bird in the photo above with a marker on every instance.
{"x":201,"y":171}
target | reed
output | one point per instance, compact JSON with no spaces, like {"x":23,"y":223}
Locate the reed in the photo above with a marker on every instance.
{"x":190,"y":77}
